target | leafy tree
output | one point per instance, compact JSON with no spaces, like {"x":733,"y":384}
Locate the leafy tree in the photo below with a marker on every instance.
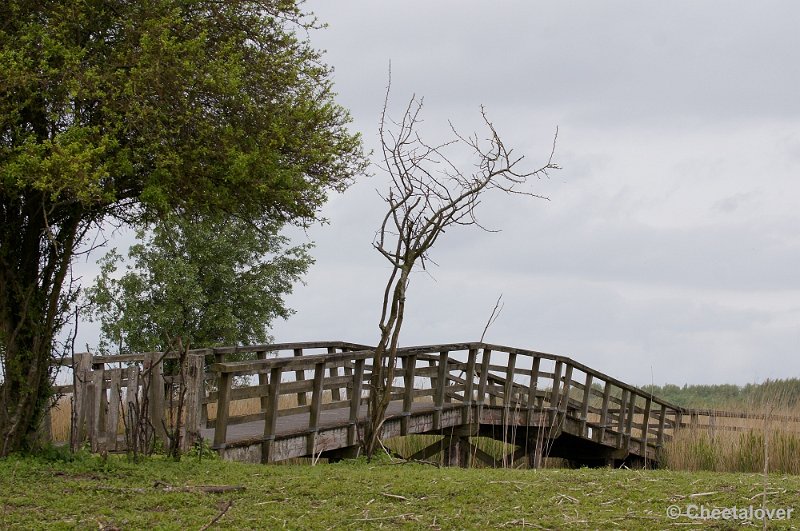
{"x":211,"y":282}
{"x":111,"y":109}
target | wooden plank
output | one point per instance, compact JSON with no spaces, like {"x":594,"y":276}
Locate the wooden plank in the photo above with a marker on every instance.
{"x":355,"y":401}
{"x":271,"y":414}
{"x":409,"y":373}
{"x":469,"y":386}
{"x":585,"y":403}
{"x":81,"y":373}
{"x":508,"y":388}
{"x":131,"y":396}
{"x":604,"y":411}
{"x":154,"y":368}
{"x":629,"y":421}
{"x":262,"y":379}
{"x":112,"y":419}
{"x":316,"y":401}
{"x":223,"y":410}
{"x":195,"y":384}
{"x":336,"y":393}
{"x":299,"y":375}
{"x":554,"y":393}
{"x":486,"y":357}
{"x":662,"y":417}
{"x":441,"y":383}
{"x":564,"y":400}
{"x":646,"y":421}
{"x":533,"y":389}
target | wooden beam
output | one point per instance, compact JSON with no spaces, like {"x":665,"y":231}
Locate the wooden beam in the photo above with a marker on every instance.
{"x":355,"y":401}
{"x":299,"y":375}
{"x":223,"y":410}
{"x":486,"y":357}
{"x":271,"y":414}
{"x":409,"y":370}
{"x":438,"y":397}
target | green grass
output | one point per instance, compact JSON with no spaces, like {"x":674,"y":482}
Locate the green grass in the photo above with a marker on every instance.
{"x":37,"y":493}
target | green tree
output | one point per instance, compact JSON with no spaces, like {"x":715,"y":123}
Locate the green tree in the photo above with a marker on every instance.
{"x":128,"y":110}
{"x":211,"y":282}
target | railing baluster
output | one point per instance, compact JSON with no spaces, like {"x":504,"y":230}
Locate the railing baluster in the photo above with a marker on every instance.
{"x":316,"y":402}
{"x":662,"y":417}
{"x":508,"y":389}
{"x":532,"y":388}
{"x":271,"y":414}
{"x":587,"y":394}
{"x":554,"y":397}
{"x":262,"y":378}
{"x":604,"y":411}
{"x":469,"y":385}
{"x":646,"y":424}
{"x":409,"y":370}
{"x":564,"y":402}
{"x":355,"y":400}
{"x":441,"y":383}
{"x":223,"y":407}
{"x":336,"y":394}
{"x":629,"y":421}
{"x":299,"y":376}
{"x":621,"y":418}
{"x":486,"y":358}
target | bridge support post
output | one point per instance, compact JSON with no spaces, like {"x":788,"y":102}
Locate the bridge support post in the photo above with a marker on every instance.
{"x":456,"y":452}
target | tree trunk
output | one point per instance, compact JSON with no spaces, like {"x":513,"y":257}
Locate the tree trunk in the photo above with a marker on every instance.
{"x":384,"y":363}
{"x":34,"y":262}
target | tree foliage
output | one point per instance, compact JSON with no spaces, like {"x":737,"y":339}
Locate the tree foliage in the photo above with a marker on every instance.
{"x":126,"y":110}
{"x":211,"y":282}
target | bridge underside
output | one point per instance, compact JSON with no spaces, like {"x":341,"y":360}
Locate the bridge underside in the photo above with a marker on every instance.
{"x":535,"y":434}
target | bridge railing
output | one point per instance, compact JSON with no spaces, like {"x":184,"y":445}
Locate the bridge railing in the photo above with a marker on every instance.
{"x":476,"y":375}
{"x":104,"y":387}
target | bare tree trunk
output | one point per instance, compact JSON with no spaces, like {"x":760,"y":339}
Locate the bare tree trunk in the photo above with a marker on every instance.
{"x":427,"y":195}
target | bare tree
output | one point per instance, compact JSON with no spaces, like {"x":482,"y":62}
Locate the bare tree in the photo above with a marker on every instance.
{"x":427,"y":195}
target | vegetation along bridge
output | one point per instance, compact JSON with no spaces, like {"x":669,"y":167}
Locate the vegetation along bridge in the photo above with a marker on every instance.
{"x":283,"y":401}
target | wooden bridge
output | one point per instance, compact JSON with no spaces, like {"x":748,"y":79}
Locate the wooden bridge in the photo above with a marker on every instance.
{"x":285,"y":401}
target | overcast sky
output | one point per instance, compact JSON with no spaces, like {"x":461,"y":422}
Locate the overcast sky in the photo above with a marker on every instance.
{"x":669,"y":248}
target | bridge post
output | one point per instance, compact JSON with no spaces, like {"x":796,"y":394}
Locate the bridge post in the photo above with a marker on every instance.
{"x":336,"y":393}
{"x":355,"y":401}
{"x":441,"y":383}
{"x":485,"y":359}
{"x":661,"y":419}
{"x":554,"y":394}
{"x":409,"y":371}
{"x":629,"y":421}
{"x":271,"y":414}
{"x":532,"y":388}
{"x":456,"y":452}
{"x":195,"y":393}
{"x":604,"y":411}
{"x":469,"y":385}
{"x":299,"y":375}
{"x":316,"y":407}
{"x":223,"y":410}
{"x":154,"y":367}
{"x":646,"y":425}
{"x":564,"y":401}
{"x":623,"y":404}
{"x":508,"y":388}
{"x":587,"y":394}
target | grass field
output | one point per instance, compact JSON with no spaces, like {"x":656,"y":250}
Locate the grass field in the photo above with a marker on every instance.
{"x":115,"y":494}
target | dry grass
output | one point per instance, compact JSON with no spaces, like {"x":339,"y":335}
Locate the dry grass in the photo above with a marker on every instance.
{"x":766,"y":435}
